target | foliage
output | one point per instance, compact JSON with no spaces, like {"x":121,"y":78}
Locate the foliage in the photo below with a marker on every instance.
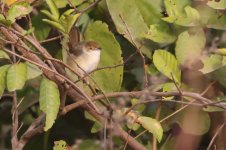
{"x":161,"y":74}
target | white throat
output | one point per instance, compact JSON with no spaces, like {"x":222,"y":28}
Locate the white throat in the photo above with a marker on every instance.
{"x":88,"y":60}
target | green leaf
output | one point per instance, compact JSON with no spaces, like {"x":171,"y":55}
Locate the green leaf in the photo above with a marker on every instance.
{"x":41,"y":31}
{"x":167,"y":87}
{"x":189,"y":46}
{"x":54,"y":10}
{"x":152,"y":125}
{"x":49,"y":100}
{"x":4,"y":55}
{"x":3,"y":71}
{"x":108,"y":79}
{"x":160,"y":33}
{"x":167,"y":64}
{"x":16,"y":76}
{"x":220,"y":4}
{"x":221,"y":51}
{"x":211,"y":63}
{"x":4,"y":21}
{"x":32,"y":71}
{"x":181,"y":13}
{"x":150,"y":10}
{"x":140,"y":108}
{"x":213,"y":109}
{"x":96,"y":127}
{"x":123,"y":13}
{"x":71,"y":20}
{"x":212,"y":18}
{"x":55,"y":24}
{"x":18,"y":9}
{"x":48,"y":14}
{"x":60,"y":145}
{"x":63,"y":3}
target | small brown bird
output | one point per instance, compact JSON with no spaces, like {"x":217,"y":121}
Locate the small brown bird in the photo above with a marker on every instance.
{"x":84,"y":56}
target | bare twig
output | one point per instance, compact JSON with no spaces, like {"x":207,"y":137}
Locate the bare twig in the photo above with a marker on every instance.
{"x":51,"y":39}
{"x":215,"y":135}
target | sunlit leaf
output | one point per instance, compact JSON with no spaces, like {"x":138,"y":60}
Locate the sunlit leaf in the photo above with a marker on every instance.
{"x":167,"y":64}
{"x":32,"y":71}
{"x":152,"y":125}
{"x":49,"y":99}
{"x":108,"y":79}
{"x":16,"y":76}
{"x":3,"y":71}
{"x":160,"y":33}
{"x":19,"y":9}
{"x":189,"y":46}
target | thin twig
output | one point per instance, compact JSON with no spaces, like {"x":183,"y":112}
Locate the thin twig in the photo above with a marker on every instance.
{"x":139,"y":51}
{"x":51,"y":39}
{"x":215,"y":135}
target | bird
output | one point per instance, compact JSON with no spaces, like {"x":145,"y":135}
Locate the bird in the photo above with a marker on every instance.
{"x":84,"y":56}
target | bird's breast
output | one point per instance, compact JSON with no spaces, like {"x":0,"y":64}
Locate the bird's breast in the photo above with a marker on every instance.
{"x":87,"y":61}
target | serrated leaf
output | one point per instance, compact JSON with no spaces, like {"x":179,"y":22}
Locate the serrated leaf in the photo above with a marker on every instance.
{"x":3,"y":71}
{"x":49,"y":99}
{"x":160,"y":33}
{"x":16,"y":76}
{"x":211,"y":63}
{"x":108,"y":79}
{"x":123,"y":13}
{"x":189,"y":46}
{"x":32,"y":71}
{"x":152,"y":125}
{"x":220,"y":4}
{"x":60,"y":145}
{"x":19,"y":9}
{"x":4,"y":55}
{"x":167,"y":64}
{"x":54,"y":10}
